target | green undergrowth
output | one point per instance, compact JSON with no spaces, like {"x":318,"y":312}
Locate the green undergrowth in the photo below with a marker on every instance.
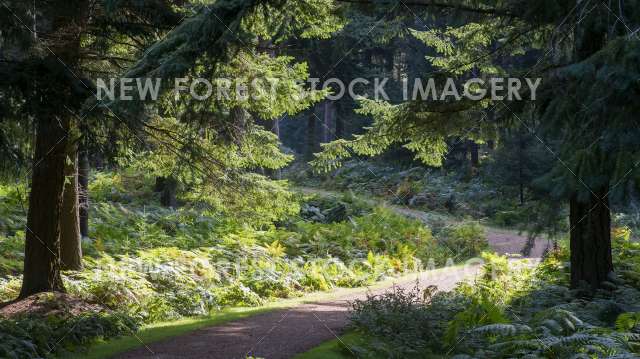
{"x":151,"y":264}
{"x":338,"y":348}
{"x":150,"y":333}
{"x":34,"y":336}
{"x":511,"y":312}
{"x":453,"y":193}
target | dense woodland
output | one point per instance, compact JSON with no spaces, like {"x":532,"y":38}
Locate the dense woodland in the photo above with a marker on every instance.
{"x":119,"y":215}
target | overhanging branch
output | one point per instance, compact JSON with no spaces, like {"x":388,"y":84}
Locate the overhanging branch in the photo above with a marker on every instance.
{"x":442,"y":5}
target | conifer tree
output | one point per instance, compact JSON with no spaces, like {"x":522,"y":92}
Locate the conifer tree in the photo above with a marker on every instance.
{"x":588,"y":59}
{"x":46,"y":57}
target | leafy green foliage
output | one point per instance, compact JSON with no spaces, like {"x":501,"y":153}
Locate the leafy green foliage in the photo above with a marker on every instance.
{"x":465,"y":240}
{"x":603,"y":76}
{"x":397,"y":321}
{"x":512,"y":312}
{"x":35,"y":337}
{"x":154,"y":263}
{"x":482,"y":197}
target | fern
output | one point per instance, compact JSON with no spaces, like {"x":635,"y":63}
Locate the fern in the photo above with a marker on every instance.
{"x":517,"y":345}
{"x":502,"y":329}
{"x":627,"y":321}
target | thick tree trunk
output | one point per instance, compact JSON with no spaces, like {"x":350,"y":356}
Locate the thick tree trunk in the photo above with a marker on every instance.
{"x":590,"y":238}
{"x":61,"y":24}
{"x":83,"y":190}
{"x":70,"y":238}
{"x":42,"y":246}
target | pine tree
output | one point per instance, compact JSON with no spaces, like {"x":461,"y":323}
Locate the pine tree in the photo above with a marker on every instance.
{"x":590,"y":104}
{"x":45,"y":60}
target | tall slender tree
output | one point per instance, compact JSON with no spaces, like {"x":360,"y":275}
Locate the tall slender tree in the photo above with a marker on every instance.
{"x":70,"y":237}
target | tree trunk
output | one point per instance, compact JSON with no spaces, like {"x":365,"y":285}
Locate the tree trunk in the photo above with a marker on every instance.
{"x":83,"y":190}
{"x":42,"y":246}
{"x":311,"y":136}
{"x":590,"y":240}
{"x":339,"y":125}
{"x":61,"y":25}
{"x":590,"y":221}
{"x":521,"y":166}
{"x":70,"y":239}
{"x":276,"y":130}
{"x":327,"y":133}
{"x":475,"y":157}
{"x":521,"y":189}
{"x":168,"y":193}
{"x":159,"y":185}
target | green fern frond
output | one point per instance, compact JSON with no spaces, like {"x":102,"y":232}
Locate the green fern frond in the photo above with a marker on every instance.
{"x":514,"y":346}
{"x":627,"y":321}
{"x":502,"y":329}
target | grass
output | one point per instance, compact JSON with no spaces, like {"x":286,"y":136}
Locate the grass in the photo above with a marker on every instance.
{"x":158,"y":331}
{"x":163,"y":330}
{"x":338,"y":348}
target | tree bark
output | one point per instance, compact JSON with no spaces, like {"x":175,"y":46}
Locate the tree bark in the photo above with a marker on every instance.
{"x":70,"y":238}
{"x":61,"y":25}
{"x":590,"y":240}
{"x":590,"y":221}
{"x":83,"y":190}
{"x":42,"y":246}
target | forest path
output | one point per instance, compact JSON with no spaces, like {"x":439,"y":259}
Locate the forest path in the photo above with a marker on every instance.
{"x":287,"y":332}
{"x":502,"y":241}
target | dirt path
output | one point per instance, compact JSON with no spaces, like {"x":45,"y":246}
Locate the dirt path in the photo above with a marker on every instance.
{"x":285,"y":333}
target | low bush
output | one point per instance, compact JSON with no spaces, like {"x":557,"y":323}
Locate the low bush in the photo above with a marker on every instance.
{"x":399,"y":324}
{"x":465,"y":240}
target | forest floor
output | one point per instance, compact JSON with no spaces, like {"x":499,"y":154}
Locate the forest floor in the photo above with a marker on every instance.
{"x":287,"y":332}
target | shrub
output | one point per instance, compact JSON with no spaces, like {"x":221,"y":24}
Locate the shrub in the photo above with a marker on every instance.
{"x":465,"y":240}
{"x":403,"y":323}
{"x":397,"y":321}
